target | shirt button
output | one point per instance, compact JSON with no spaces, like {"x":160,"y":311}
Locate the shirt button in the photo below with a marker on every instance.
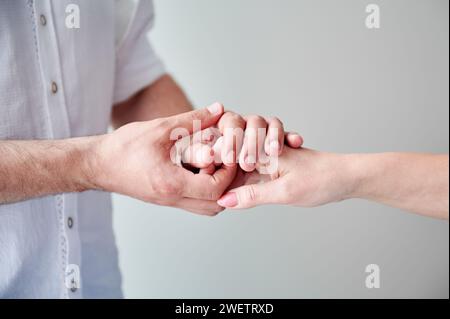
{"x":54,"y":88}
{"x":43,"y":20}
{"x":74,"y":285}
{"x":70,"y":222}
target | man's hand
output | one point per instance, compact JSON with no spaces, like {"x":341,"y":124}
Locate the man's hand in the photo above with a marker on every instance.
{"x":135,"y":161}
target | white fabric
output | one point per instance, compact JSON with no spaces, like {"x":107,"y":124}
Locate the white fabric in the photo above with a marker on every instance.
{"x":40,"y":256}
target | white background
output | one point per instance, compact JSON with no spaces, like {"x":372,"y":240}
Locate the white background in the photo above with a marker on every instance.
{"x":315,"y":65}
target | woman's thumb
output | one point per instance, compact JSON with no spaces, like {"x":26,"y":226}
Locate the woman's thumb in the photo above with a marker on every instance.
{"x":249,"y":196}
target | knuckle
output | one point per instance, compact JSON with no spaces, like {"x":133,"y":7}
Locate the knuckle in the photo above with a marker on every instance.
{"x":169,"y":190}
{"x":192,"y":116}
{"x":214,"y":212}
{"x":274,"y":119}
{"x":161,"y":124}
{"x":233,"y":117}
{"x":250,"y":194}
{"x":198,"y":116}
{"x":164,"y":188}
{"x":256,"y":119}
{"x":215,"y":195}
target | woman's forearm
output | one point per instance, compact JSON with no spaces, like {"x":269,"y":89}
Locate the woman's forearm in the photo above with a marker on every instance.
{"x":415,"y":182}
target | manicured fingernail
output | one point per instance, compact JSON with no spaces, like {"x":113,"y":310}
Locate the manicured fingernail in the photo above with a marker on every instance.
{"x":228,"y":200}
{"x":250,"y":159}
{"x":229,"y":158}
{"x":274,"y":147}
{"x":215,"y":108}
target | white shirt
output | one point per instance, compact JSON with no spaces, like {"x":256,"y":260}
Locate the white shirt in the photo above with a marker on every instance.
{"x":55,"y":83}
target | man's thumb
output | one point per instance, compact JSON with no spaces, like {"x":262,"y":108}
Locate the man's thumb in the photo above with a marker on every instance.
{"x":207,"y":117}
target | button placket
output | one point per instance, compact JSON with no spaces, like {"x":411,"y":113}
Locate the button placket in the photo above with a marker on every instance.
{"x":43,"y":20}
{"x":54,"y":87}
{"x":51,"y":75}
{"x":70,"y":222}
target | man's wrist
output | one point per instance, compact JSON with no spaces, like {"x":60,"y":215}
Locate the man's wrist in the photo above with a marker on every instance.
{"x":85,"y":161}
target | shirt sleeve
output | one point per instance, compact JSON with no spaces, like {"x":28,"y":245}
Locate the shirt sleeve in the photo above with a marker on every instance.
{"x":137,"y":64}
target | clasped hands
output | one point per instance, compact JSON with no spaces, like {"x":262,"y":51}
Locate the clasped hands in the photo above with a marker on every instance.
{"x":139,"y":160}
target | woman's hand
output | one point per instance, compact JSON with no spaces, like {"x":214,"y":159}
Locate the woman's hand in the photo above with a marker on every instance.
{"x":304,"y":178}
{"x":414,"y":182}
{"x":237,"y":140}
{"x":247,"y":140}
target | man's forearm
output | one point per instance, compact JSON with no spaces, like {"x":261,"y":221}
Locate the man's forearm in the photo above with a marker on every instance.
{"x":41,"y":167}
{"x":414,"y":182}
{"x":161,"y":99}
{"x":37,"y":168}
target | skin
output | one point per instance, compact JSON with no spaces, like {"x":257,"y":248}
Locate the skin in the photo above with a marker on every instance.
{"x":133,"y":160}
{"x":163,"y":98}
{"x":250,"y":137}
{"x":417,"y":183}
{"x":35,"y":168}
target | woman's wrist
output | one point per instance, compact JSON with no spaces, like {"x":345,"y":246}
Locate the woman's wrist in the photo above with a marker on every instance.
{"x":366,"y":171}
{"x":358,"y":174}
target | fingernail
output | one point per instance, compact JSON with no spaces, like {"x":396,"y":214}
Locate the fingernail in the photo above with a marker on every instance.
{"x":229,"y":158}
{"x":228,"y":200}
{"x":250,"y":159}
{"x":274,"y":147}
{"x":215,"y":108}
